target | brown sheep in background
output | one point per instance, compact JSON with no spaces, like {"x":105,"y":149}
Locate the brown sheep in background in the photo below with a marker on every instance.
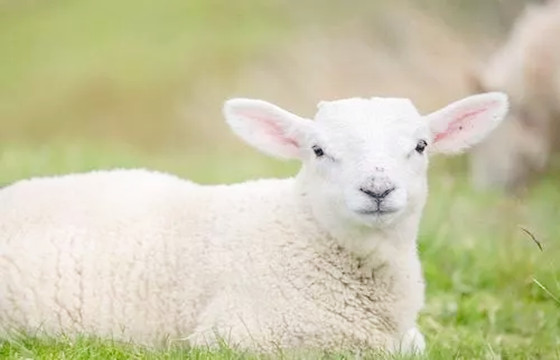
{"x":527,"y":67}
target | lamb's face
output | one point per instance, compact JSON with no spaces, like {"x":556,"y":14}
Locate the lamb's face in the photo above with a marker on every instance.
{"x":365,"y":161}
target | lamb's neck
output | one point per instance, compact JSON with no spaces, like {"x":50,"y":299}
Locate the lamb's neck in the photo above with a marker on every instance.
{"x":377,"y":245}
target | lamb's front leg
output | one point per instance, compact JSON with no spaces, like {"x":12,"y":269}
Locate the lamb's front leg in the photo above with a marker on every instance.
{"x":411,"y":342}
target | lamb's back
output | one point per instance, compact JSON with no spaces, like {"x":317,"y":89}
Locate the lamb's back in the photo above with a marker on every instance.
{"x":95,"y":252}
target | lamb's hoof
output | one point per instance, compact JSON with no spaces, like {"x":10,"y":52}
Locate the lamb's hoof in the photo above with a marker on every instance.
{"x":412,"y":342}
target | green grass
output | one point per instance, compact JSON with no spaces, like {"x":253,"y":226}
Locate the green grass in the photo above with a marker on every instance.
{"x":491,"y":292}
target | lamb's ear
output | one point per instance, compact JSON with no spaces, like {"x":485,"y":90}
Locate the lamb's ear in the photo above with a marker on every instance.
{"x":466,"y":122}
{"x":267,"y":127}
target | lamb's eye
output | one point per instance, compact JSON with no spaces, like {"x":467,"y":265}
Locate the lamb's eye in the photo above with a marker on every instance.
{"x":421,"y":146}
{"x":317,"y":150}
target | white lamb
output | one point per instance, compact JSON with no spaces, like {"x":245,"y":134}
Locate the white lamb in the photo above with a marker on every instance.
{"x":326,"y":259}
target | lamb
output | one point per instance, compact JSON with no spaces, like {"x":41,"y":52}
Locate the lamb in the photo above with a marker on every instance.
{"x":527,"y":68}
{"x":324,"y":260}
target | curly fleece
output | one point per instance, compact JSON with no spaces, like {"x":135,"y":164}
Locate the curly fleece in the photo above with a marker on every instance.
{"x":150,"y":257}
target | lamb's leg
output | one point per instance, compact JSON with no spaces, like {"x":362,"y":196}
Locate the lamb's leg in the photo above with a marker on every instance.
{"x":412,"y":342}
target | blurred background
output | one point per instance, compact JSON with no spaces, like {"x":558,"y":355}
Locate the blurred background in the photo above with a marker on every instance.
{"x":120,"y":83}
{"x":152,"y":76}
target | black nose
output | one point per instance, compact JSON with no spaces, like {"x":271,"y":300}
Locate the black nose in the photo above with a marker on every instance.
{"x":377,"y":194}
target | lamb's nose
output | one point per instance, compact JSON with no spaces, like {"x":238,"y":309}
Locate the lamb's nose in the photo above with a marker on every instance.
{"x":378,"y":194}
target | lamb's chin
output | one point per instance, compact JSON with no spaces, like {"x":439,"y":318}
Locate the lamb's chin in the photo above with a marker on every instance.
{"x":377,"y":218}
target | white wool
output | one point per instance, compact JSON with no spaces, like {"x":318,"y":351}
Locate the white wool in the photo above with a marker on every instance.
{"x":312,"y":261}
{"x":371,"y":109}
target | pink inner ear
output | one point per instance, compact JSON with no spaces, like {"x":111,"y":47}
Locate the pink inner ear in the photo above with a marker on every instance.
{"x":274,"y":131}
{"x":461,"y":122}
{"x":267,"y":124}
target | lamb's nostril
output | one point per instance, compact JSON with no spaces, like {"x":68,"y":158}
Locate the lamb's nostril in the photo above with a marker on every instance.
{"x":387,"y":192}
{"x":377,"y":194}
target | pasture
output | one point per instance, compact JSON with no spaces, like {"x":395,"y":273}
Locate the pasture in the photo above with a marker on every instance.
{"x":90,"y":85}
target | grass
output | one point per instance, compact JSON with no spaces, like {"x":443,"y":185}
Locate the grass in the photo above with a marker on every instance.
{"x":492,"y":293}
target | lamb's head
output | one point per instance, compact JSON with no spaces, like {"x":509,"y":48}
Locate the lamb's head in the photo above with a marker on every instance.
{"x":365,"y":160}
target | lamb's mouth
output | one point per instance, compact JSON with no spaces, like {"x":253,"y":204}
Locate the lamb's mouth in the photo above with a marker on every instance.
{"x":377,"y":212}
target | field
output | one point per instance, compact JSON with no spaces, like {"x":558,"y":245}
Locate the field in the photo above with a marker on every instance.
{"x":143,"y":89}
